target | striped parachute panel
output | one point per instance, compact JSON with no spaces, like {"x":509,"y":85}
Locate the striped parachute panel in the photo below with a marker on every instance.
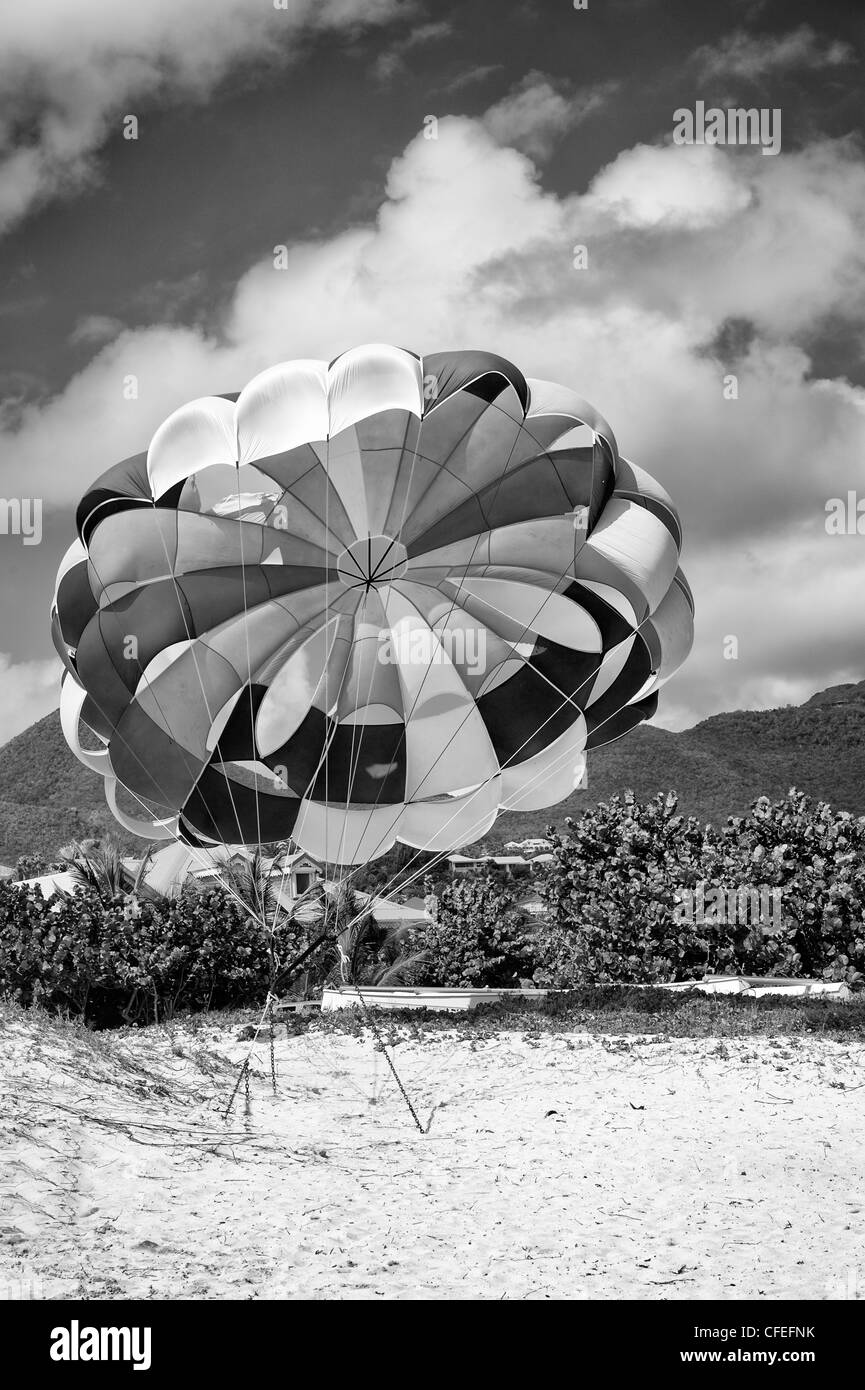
{"x":382,"y":598}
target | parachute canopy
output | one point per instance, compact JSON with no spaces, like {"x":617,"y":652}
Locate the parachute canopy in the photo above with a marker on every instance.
{"x":382,"y":598}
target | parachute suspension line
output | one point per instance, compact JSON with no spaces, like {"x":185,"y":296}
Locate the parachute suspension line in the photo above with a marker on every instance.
{"x":244,"y":1073}
{"x":449,"y":615}
{"x":252,"y":748}
{"x":341,"y":886}
{"x":566,"y":700}
{"x":272,"y":1051}
{"x":527,"y":626}
{"x":539,"y":777}
{"x":352,"y":771}
{"x":346,"y":872}
{"x":193,"y":849}
{"x":311,"y":783}
{"x":370,"y":814}
{"x":327,"y":733}
{"x":194,"y":656}
{"x":382,"y":1047}
{"x":149,"y":684}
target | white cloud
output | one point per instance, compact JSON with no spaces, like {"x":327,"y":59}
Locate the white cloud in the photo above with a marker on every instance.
{"x":539,"y":110}
{"x":392,"y":62}
{"x":752,"y":56}
{"x":28,"y":690}
{"x":776,"y":241}
{"x":95,"y":329}
{"x":67,"y":79}
{"x":669,"y":187}
{"x":468,"y":250}
{"x":787,"y":601}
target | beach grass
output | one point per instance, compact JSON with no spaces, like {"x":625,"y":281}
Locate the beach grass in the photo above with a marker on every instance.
{"x":613,"y":1010}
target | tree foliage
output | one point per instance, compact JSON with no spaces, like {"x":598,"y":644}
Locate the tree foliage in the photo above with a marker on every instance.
{"x":622,"y":877}
{"x":134,"y":960}
{"x":477,"y":937}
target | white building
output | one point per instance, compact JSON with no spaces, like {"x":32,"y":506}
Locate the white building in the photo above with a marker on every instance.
{"x":291,"y":876}
{"x":528,"y":847}
{"x":511,"y":864}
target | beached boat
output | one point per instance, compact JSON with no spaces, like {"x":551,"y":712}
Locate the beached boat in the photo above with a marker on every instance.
{"x":422,"y":997}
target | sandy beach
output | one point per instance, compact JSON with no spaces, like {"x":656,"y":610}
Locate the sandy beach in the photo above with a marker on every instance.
{"x":572,"y":1167}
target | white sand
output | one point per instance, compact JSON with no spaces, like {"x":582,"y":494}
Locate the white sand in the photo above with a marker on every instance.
{"x":673,"y":1169}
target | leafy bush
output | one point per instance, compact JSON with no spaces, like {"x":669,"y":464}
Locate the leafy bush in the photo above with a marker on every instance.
{"x":619,"y":894}
{"x":135,"y":961}
{"x":609,"y":894}
{"x":32,"y":865}
{"x":476,"y":937}
{"x":786,"y":884}
{"x":114,"y":959}
{"x":813,"y":859}
{"x":402,"y":868}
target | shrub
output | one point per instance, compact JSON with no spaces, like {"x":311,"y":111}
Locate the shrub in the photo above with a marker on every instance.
{"x":623,"y":877}
{"x":609,"y":895}
{"x":813,"y":859}
{"x":135,"y":961}
{"x":476,"y":937}
{"x":32,"y":866}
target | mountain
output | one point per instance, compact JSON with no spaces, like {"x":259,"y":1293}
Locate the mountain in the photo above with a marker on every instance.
{"x":718,"y":768}
{"x":722,"y":764}
{"x":47,"y":797}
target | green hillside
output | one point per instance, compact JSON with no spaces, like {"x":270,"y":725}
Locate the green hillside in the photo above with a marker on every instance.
{"x":47,"y":797}
{"x":718,"y":767}
{"x":722,"y":764}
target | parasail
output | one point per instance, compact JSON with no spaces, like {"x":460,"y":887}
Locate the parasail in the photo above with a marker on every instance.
{"x":382,"y":598}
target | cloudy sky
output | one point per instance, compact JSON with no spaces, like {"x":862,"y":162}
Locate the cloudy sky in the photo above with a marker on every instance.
{"x":304,"y":126}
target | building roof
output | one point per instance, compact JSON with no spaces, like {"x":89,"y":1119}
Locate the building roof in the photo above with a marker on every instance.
{"x":49,"y":884}
{"x":176,"y":862}
{"x":385,"y":911}
{"x":489,"y":859}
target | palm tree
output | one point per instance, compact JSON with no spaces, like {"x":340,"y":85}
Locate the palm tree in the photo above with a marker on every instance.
{"x":98,"y":865}
{"x":251,"y":879}
{"x":344,"y":944}
{"x":248,"y":877}
{"x":364,"y":952}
